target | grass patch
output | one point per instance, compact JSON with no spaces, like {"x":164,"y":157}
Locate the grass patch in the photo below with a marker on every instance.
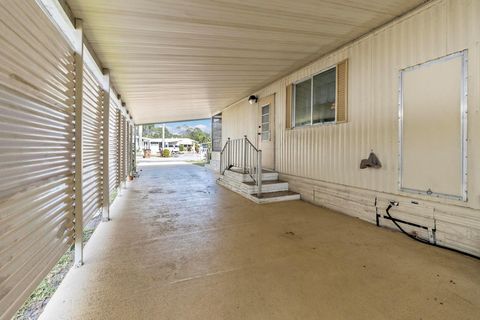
{"x":35,"y":304}
{"x":113,"y":195}
{"x":33,"y":307}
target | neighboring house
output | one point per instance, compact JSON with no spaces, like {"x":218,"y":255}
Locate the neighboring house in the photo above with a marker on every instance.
{"x":172,"y":144}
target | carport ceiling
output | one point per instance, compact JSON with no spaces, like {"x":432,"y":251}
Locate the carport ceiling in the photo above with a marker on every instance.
{"x":187,"y":59}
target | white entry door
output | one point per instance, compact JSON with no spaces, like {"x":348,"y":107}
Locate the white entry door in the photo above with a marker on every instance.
{"x":266,"y":134}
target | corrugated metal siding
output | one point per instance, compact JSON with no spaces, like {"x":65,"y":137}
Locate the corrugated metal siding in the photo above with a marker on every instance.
{"x":92,"y":146}
{"x":239,"y":120}
{"x":36,"y":150}
{"x":331,"y":154}
{"x":132,"y":146}
{"x":122,"y":148}
{"x":114,"y":144}
{"x":129,"y":148}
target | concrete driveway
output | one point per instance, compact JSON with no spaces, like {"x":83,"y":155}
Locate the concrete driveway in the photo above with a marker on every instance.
{"x":181,"y":247}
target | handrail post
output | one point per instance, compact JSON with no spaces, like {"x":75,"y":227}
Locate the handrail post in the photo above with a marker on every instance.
{"x":259,"y":173}
{"x":228,"y":154}
{"x":221,"y":161}
{"x":245,"y":154}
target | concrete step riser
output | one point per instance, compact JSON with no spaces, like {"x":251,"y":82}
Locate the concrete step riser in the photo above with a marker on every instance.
{"x":246,"y":177}
{"x":270,"y":188}
{"x":281,"y":186}
{"x":235,"y":182}
{"x":277,"y":199}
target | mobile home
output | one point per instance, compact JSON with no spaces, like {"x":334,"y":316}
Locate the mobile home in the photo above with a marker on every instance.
{"x":408,"y":92}
{"x":344,"y":179}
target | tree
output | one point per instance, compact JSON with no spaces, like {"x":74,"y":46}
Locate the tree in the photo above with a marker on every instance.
{"x":150,"y":131}
{"x":197,"y":134}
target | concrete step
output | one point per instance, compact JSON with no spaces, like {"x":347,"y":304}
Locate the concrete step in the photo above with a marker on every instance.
{"x":267,"y":186}
{"x":250,"y":187}
{"x":237,"y":174}
{"x":278,"y":196}
{"x":272,"y":190}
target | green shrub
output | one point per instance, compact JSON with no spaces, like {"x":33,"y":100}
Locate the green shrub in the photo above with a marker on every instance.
{"x":181,"y":148}
{"x":197,"y":148}
{"x":166,"y":153}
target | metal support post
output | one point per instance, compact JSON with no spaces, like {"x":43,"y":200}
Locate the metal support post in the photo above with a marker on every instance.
{"x":228,"y":153}
{"x":106,"y":148}
{"x":78,"y":210}
{"x":245,"y":154}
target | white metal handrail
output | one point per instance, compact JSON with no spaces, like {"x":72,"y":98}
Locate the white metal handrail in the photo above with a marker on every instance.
{"x":242,"y":154}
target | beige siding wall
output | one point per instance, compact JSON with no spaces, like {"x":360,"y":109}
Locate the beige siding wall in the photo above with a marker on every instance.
{"x":239,"y":120}
{"x":331,"y":154}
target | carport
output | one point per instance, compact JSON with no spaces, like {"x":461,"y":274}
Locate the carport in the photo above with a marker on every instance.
{"x":300,"y":94}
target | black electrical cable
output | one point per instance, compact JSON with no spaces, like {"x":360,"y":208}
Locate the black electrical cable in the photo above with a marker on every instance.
{"x":422,"y":240}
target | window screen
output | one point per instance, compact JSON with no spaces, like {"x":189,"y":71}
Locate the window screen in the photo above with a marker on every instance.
{"x":303,"y":102}
{"x":324,"y":97}
{"x":315,"y":99}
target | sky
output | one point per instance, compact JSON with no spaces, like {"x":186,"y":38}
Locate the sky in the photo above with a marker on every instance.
{"x":173,"y":127}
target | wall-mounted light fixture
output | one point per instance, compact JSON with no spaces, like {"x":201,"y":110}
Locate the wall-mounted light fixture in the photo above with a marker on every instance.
{"x":252,"y":99}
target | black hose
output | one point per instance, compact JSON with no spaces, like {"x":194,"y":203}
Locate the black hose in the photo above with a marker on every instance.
{"x":423,"y":240}
{"x":401,"y":229}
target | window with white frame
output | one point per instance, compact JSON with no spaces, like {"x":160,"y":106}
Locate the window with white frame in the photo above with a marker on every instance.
{"x":321,"y":98}
{"x":314,"y":99}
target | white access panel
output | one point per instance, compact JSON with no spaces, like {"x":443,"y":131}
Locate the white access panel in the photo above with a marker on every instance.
{"x":432,"y":115}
